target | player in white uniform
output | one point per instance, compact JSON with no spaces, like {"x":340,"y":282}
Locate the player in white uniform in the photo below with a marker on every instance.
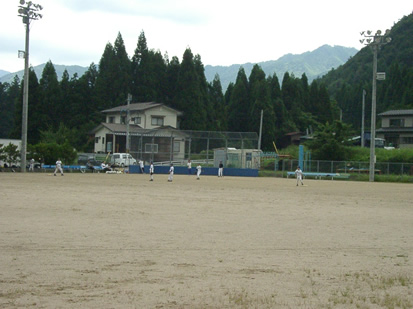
{"x":31,"y":167}
{"x":171,"y":173}
{"x":299,"y":175}
{"x":198,"y":171}
{"x":141,"y":166}
{"x":151,"y":170}
{"x":105,"y":167}
{"x":58,"y":167}
{"x":189,"y":164}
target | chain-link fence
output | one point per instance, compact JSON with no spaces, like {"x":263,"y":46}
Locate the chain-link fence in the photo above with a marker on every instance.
{"x":383,"y":168}
{"x":234,"y":149}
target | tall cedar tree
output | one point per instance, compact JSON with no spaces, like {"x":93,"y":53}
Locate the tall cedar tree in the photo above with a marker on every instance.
{"x":206,"y":103}
{"x":239,"y":105}
{"x":170,"y":87}
{"x":37,"y":117}
{"x":188,"y":95}
{"x":123,"y":70}
{"x":9,"y":98}
{"x":105,"y":87}
{"x":261,"y":101}
{"x":219,"y":111}
{"x":52,"y":104}
{"x":113,"y":80}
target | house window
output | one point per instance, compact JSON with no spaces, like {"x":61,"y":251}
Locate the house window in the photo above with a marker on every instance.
{"x":123,"y":119}
{"x":407,"y":140}
{"x":111,"y":119}
{"x":96,"y":139}
{"x":103,"y":140}
{"x":397,"y":123}
{"x":177,"y":146}
{"x":157,"y":121}
{"x":136,"y":120}
{"x":151,"y":148}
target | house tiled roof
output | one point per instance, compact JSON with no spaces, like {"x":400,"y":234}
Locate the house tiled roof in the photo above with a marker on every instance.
{"x":120,"y":129}
{"x":394,"y":130}
{"x":137,"y":107}
{"x":401,"y":112}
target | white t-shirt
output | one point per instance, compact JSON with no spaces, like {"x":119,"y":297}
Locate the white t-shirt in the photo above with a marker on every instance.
{"x":298,"y":173}
{"x":189,"y":164}
{"x":171,"y":170}
{"x":58,"y":163}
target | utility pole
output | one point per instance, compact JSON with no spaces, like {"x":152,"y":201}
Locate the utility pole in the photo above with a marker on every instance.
{"x":127,"y":124}
{"x":259,"y":138}
{"x":374,"y":41}
{"x":362,"y":118}
{"x":28,"y":13}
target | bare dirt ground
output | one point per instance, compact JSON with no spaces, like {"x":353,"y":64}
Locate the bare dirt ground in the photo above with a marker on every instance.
{"x":120,"y":241}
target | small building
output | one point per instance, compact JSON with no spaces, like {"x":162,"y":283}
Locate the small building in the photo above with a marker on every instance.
{"x":397,"y":128}
{"x":238,"y":158}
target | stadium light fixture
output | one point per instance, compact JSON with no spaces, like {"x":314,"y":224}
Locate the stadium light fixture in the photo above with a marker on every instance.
{"x":375,"y":42}
{"x":29,"y":11}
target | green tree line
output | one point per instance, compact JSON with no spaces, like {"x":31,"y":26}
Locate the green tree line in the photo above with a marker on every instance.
{"x":73,"y":105}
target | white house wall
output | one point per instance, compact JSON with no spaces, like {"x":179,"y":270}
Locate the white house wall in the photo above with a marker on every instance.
{"x":101,"y":136}
{"x":169,"y":116}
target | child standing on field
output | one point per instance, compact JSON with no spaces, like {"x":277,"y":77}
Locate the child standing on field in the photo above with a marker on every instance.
{"x":151,"y":170}
{"x":171,"y":173}
{"x":198,"y":171}
{"x":58,"y":167}
{"x":299,"y":175}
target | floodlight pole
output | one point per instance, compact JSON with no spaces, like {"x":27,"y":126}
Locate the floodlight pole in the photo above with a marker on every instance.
{"x":374,"y":41}
{"x":28,"y":13}
{"x":25,"y":108}
{"x":373,"y":117}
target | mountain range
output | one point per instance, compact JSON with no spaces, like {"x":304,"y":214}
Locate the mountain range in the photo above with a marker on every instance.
{"x":314,"y":64}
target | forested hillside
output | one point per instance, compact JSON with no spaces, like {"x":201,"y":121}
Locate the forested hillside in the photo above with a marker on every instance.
{"x":346,"y":83}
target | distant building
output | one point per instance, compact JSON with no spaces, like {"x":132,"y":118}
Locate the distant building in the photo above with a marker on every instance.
{"x":397,"y":128}
{"x":153,"y":129}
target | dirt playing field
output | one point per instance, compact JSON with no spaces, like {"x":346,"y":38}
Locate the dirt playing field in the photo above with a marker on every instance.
{"x":121,"y":241}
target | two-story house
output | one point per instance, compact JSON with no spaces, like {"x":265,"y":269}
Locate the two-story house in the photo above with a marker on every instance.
{"x":153,"y":129}
{"x":397,"y":128}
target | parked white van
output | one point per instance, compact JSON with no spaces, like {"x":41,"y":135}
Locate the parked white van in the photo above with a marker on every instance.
{"x":122,"y":159}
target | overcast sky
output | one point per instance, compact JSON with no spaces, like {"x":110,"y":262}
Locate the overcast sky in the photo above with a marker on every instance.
{"x":222,"y":32}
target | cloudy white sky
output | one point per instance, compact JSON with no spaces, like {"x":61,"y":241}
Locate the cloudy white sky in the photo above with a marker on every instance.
{"x":223,"y":32}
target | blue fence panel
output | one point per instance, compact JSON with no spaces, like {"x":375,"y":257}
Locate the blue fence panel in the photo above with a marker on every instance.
{"x":182,"y":170}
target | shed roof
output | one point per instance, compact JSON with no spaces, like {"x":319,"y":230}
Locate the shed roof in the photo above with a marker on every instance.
{"x":399,"y":112}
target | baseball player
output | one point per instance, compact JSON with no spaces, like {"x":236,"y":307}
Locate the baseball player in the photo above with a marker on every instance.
{"x":151,"y":170}
{"x":141,"y":166}
{"x":171,"y":173}
{"x":198,"y":171}
{"x":220,"y":169}
{"x":189,"y":164}
{"x":58,"y":167}
{"x":31,"y":167}
{"x":299,"y":175}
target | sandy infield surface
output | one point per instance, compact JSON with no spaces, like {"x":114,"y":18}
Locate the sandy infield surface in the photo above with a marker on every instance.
{"x":121,"y":241}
